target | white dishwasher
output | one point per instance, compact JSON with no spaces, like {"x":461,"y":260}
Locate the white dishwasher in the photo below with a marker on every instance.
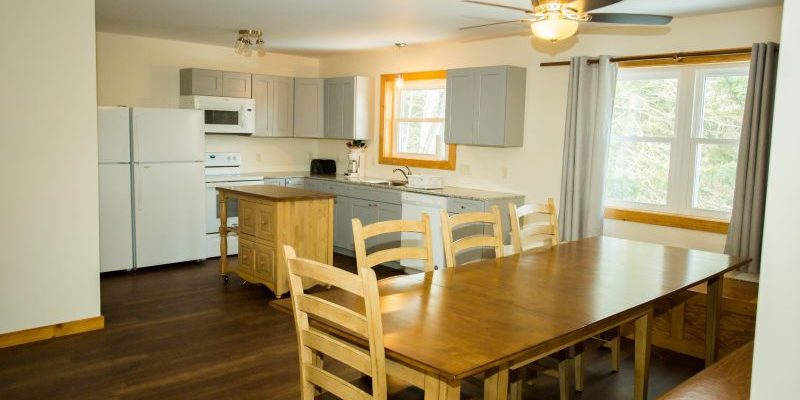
{"x":414,"y":204}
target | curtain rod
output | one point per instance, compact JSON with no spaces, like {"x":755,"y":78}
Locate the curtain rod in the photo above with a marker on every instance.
{"x":663,"y":56}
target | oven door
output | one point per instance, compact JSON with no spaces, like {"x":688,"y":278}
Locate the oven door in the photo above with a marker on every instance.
{"x":212,"y":204}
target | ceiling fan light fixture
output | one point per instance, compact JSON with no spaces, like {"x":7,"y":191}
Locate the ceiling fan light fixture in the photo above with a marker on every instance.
{"x":554,"y":27}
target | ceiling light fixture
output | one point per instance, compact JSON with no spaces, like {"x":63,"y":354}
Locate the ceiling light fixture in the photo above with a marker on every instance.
{"x":554,"y":21}
{"x":249,"y":40}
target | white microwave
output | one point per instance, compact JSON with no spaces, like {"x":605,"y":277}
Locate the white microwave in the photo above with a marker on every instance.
{"x":224,"y":114}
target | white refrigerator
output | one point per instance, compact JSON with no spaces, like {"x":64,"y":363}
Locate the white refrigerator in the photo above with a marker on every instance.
{"x":152,"y":190}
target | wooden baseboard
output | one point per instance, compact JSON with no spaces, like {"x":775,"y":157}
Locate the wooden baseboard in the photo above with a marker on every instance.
{"x":51,"y":331}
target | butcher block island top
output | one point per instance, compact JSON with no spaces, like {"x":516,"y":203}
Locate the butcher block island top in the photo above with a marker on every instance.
{"x":276,"y":193}
{"x":269,"y":218}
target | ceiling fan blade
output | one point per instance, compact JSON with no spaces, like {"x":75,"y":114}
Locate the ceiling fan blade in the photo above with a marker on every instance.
{"x":633,"y":19}
{"x":589,"y":5}
{"x":494,"y":23}
{"x":497,"y":5}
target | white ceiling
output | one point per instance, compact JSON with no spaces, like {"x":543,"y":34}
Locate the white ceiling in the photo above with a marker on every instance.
{"x":317,"y":27}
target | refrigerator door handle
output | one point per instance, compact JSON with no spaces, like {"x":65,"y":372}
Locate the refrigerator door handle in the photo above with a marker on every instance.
{"x":139,"y":186}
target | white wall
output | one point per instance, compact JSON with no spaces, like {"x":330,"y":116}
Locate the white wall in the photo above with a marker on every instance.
{"x":49,"y":271}
{"x":143,"y":72}
{"x":535,"y":169}
{"x":777,"y":348}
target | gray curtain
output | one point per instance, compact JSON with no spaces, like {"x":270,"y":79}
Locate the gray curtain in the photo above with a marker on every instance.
{"x":590,"y":106}
{"x":747,"y":220}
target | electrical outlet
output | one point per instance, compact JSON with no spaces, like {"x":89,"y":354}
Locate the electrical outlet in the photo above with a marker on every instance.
{"x":465,"y":169}
{"x":504,"y":172}
{"x":258,"y":157}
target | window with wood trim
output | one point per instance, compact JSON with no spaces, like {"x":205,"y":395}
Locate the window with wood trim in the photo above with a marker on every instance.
{"x":675,"y":137}
{"x":413,"y":121}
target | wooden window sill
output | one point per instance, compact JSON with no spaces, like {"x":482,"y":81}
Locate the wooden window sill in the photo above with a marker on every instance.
{"x":672,"y":220}
{"x":413,"y":162}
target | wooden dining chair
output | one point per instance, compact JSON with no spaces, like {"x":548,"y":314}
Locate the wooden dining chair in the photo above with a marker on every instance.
{"x":366,"y":327}
{"x":526,"y":233}
{"x":451,"y":223}
{"x":362,"y":233}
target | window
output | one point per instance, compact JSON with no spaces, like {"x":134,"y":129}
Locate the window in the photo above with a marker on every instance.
{"x":675,"y":138}
{"x":412,"y":120}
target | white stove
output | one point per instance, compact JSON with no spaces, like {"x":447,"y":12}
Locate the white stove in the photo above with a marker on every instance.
{"x":224,"y":169}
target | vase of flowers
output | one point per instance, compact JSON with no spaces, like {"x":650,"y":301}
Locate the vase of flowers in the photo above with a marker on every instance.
{"x":355,"y":155}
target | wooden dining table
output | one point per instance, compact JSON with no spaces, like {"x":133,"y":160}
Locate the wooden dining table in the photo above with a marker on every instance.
{"x":496,"y":315}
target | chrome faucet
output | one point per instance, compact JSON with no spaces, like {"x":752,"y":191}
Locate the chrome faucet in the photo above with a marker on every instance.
{"x":405,"y":173}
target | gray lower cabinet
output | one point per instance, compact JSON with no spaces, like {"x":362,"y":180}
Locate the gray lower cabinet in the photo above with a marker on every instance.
{"x":485,"y":106}
{"x":274,"y":97}
{"x":370,"y":212}
{"x":299,"y":183}
{"x":209,"y":82}
{"x":309,"y":107}
{"x":275,"y":182}
{"x":342,"y":228}
{"x":346,"y":108}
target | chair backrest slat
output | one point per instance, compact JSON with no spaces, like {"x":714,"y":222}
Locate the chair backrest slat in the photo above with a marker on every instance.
{"x":314,"y":343}
{"x":526,"y":235}
{"x":424,"y":253}
{"x":334,"y":347}
{"x":333,"y":384}
{"x":451,"y":223}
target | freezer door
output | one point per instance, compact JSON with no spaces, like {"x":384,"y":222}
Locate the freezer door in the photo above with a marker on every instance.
{"x":167,"y":135}
{"x":113,"y":134}
{"x":169,"y":203}
{"x":116,"y":230}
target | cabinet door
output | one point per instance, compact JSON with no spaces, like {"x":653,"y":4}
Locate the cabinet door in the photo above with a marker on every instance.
{"x":309,"y":107}
{"x":388,"y":212}
{"x":490,"y":116}
{"x":348,"y":108}
{"x":247,"y":255}
{"x":264,"y":262}
{"x":247,"y":217}
{"x":283,"y":106}
{"x":201,"y":82}
{"x":460,"y":113}
{"x":236,"y":84}
{"x":342,"y":223}
{"x":263,"y":89}
{"x":333,"y":108}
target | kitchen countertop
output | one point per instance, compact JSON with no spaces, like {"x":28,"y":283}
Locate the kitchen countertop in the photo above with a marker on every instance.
{"x":276,"y":193}
{"x":447,"y":191}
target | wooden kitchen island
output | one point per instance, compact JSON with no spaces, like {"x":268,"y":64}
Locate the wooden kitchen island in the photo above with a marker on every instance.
{"x":269,"y":218}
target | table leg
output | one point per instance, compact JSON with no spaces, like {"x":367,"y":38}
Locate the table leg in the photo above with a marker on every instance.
{"x":495,"y":384}
{"x":439,"y":389}
{"x":713,"y":300}
{"x":642,"y":332}
{"x":223,"y":233}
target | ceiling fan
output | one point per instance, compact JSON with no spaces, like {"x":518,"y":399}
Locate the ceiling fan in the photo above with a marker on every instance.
{"x":555,"y":20}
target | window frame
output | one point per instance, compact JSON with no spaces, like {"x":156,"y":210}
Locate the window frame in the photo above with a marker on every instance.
{"x":388,"y":123}
{"x":683,"y":178}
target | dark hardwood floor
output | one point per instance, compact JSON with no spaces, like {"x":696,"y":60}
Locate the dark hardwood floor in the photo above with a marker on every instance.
{"x":179,"y":332}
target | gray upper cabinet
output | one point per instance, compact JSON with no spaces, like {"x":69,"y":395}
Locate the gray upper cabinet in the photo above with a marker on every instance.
{"x":347,"y":108}
{"x":486,"y":106}
{"x":201,"y":82}
{"x":309,"y":107}
{"x":274,"y":96}
{"x":236,"y":84}
{"x":208,"y":82}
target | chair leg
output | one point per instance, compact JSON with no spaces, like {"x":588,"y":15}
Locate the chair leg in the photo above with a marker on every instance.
{"x":615,"y":347}
{"x":579,"y":372}
{"x":564,"y":387}
{"x":517,"y":378}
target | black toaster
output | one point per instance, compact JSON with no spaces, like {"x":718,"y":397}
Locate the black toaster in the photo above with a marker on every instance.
{"x":323,"y":166}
